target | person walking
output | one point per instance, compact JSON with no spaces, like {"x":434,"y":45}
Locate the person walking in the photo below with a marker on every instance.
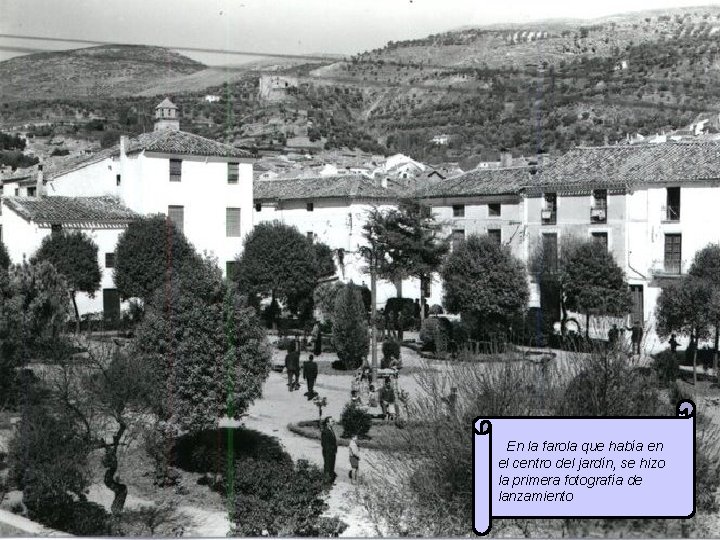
{"x":400,"y":325}
{"x":673,"y":344}
{"x":636,"y":337}
{"x":387,"y":398}
{"x":317,"y":339}
{"x":328,"y":441}
{"x":613,"y":335}
{"x":381,"y":324}
{"x":292,"y":364}
{"x":354,"y":453}
{"x":310,"y":372}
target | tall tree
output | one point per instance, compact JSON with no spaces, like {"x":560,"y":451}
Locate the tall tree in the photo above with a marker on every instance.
{"x":410,"y":241}
{"x":484,"y":282}
{"x":706,"y":266}
{"x":75,"y":256}
{"x":350,"y":327}
{"x":207,"y":349}
{"x":279,"y":262}
{"x":594,"y":283}
{"x":148,"y":251}
{"x":4,"y":257}
{"x":688,"y":308}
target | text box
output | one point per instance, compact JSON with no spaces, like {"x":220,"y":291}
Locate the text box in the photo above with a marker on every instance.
{"x":584,"y":467}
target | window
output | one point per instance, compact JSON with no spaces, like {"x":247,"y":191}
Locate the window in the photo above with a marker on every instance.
{"x":495,"y":235}
{"x":31,"y":191}
{"x":494,"y":209}
{"x":600,"y":238}
{"x":310,"y":207}
{"x":110,"y":259}
{"x":310,"y":236}
{"x":233,"y":173}
{"x":598,"y":211}
{"x":231,"y":270}
{"x":673,"y":204}
{"x":176,"y":214}
{"x":55,"y":228}
{"x":550,"y":252}
{"x":638,"y":309}
{"x":458,"y":237}
{"x":117,"y":179}
{"x":232,"y":221}
{"x":458,"y":210}
{"x":175,"y":170}
{"x":673,"y":253}
{"x":549,"y":212}
{"x":17,"y":192}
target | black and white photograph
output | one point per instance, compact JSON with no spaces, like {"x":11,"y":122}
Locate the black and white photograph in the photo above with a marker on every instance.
{"x":265,"y":263}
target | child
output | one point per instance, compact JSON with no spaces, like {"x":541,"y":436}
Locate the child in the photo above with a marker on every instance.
{"x":354,"y":452}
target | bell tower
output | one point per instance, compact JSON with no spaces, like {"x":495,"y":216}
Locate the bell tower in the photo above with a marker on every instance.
{"x":166,"y":116}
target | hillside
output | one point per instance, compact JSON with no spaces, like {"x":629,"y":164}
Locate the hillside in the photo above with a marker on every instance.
{"x":534,"y":88}
{"x":109,"y":70}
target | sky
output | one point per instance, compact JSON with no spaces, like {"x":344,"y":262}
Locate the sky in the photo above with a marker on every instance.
{"x":342,"y":27}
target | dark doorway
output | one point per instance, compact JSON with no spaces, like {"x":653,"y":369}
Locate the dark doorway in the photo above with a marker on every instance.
{"x":637,"y":313}
{"x":111,"y":305}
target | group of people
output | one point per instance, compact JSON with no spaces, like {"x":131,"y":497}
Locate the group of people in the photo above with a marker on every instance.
{"x":309,"y":371}
{"x":636,"y":335}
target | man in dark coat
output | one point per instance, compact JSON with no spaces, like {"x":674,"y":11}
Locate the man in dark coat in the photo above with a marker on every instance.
{"x":329,"y":449}
{"x":310,"y":371}
{"x":636,"y":337}
{"x":292,"y":364}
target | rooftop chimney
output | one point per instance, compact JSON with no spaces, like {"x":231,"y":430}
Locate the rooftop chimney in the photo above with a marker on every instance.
{"x":40,"y":185}
{"x":123,"y":145}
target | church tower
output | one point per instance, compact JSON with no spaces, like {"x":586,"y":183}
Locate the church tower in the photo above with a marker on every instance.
{"x":166,"y":116}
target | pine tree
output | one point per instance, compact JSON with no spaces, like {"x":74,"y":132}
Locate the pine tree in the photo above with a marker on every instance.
{"x":350,"y":328}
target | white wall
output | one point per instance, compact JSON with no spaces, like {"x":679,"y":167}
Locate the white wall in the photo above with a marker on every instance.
{"x":23,"y":238}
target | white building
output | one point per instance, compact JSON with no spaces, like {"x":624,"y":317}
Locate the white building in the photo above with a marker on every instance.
{"x":27,"y":220}
{"x":333,"y":210}
{"x":204,"y":186}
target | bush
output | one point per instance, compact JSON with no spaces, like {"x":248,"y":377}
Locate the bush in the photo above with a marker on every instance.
{"x":284,"y":344}
{"x":390,"y":348}
{"x":350,"y":328}
{"x":406,"y":305}
{"x":436,"y":309}
{"x":666,"y":367}
{"x":436,"y":334}
{"x":283,"y":500}
{"x":208,"y":451}
{"x":355,"y":421}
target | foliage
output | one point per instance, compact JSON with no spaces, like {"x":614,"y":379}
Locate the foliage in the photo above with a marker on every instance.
{"x":407,"y":241}
{"x":355,"y":420}
{"x":211,"y":450}
{"x":706,"y":267}
{"x":283,"y":500}
{"x":15,"y":159}
{"x":484,"y":280}
{"x":666,"y":366}
{"x":608,"y":386}
{"x":34,"y":308}
{"x":594,"y":283}
{"x":687,"y":308}
{"x":4,"y":257}
{"x":350,"y":328}
{"x":75,"y":256}
{"x":436,"y":334}
{"x":207,"y":349}
{"x":324,"y":296}
{"x":324,"y":260}
{"x":278,"y":261}
{"x":48,"y":462}
{"x":390,"y":349}
{"x":396,"y":305}
{"x":147,"y":251}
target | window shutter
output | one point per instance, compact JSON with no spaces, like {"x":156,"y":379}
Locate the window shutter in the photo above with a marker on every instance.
{"x":177,"y":216}
{"x":232,"y":221}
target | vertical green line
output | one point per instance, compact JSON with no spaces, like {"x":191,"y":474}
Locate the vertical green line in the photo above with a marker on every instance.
{"x":230,"y":365}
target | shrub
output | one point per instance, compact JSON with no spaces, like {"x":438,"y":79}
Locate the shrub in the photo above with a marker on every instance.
{"x":436,"y":333}
{"x":436,"y":309}
{"x":208,"y":451}
{"x":390,"y":348}
{"x":350,"y":328}
{"x":355,"y":421}
{"x":406,"y":305}
{"x":666,"y":367}
{"x":283,"y":500}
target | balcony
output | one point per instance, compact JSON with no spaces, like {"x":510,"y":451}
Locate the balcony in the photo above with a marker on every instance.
{"x":666,"y":268}
{"x":598,"y":215}
{"x":549,"y":217}
{"x":671,"y":213}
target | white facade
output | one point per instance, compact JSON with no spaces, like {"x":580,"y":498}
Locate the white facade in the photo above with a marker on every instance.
{"x":339,"y":224}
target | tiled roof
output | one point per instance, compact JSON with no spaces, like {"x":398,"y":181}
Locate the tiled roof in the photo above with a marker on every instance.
{"x":626,"y":166}
{"x":480,"y":182}
{"x":164,"y":141}
{"x":344,"y":186}
{"x":71,"y":210}
{"x":166,"y":104}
